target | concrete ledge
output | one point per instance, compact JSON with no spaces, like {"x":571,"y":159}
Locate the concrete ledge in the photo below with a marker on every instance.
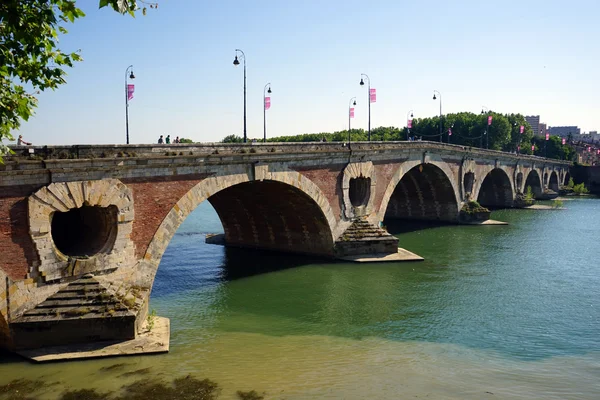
{"x":401,"y":255}
{"x":486,"y":222}
{"x":542,"y":207}
{"x":148,"y":342}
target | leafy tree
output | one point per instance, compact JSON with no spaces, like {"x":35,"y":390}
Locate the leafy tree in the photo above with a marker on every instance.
{"x":30,"y":60}
{"x":184,"y":140}
{"x":232,"y":139}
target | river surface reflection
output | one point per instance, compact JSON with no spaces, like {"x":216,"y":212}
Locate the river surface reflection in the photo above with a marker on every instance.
{"x":505,"y":312}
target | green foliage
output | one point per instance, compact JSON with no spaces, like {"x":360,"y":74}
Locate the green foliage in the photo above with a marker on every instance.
{"x":184,"y":140}
{"x":529,"y":194}
{"x":151,"y":319}
{"x":571,"y":183}
{"x":473,"y":207}
{"x":580,"y":188}
{"x":30,"y":60}
{"x":557,"y":204}
{"x":232,"y":139}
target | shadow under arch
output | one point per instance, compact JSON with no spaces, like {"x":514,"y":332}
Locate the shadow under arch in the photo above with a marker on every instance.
{"x":535,"y":182}
{"x":424,"y":193}
{"x":496,"y":190}
{"x":553,"y":182}
{"x":296,"y":210}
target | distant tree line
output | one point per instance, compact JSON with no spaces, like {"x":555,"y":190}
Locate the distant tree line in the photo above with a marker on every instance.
{"x":467,"y":129}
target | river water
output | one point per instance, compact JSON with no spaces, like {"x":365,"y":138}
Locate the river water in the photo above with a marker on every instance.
{"x":498,"y":312}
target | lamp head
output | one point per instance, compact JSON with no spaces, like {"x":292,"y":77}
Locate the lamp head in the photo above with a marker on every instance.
{"x":411,"y":115}
{"x":131,"y":75}
{"x":482,"y":111}
{"x":236,"y":61}
{"x":354,"y":103}
{"x":362,"y":83}
{"x":434,"y":96}
{"x":269,"y":91}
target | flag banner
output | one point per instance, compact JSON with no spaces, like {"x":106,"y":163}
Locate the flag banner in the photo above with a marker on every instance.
{"x":449,"y":131}
{"x":352,"y":112}
{"x":564,"y":141}
{"x":489,"y":120}
{"x":373,"y":96}
{"x":518,"y":149}
{"x":547,"y":136}
{"x":522,"y":129}
{"x":598,"y":152}
{"x":409,"y":124}
{"x":589,"y":149}
{"x":267,"y":103}
{"x":130,"y":89}
{"x":533,"y":147}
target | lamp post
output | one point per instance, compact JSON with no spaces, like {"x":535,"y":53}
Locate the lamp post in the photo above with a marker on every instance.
{"x":130,"y":76}
{"x":265,"y":91}
{"x":545,"y":141}
{"x":439,"y":94}
{"x":236,"y":62}
{"x":486,"y":111}
{"x":409,"y":115}
{"x":362,"y":83}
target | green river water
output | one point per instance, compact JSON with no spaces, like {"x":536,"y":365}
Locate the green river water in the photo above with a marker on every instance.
{"x":494,"y":312}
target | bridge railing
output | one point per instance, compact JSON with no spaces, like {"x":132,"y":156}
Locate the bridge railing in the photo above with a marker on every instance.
{"x":86,"y":151}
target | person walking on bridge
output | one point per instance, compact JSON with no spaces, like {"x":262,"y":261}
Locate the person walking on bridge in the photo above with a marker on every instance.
{"x":22,"y":142}
{"x":160,"y":140}
{"x":168,"y":139}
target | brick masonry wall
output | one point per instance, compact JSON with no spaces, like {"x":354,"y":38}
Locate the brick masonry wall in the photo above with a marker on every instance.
{"x":324,"y":179}
{"x":17,"y":251}
{"x":384,"y":172}
{"x":153,"y":198}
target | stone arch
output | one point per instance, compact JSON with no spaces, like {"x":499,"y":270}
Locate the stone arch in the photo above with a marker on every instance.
{"x":567,"y":177}
{"x":212,"y":186}
{"x":535,"y":182}
{"x":100,"y":211}
{"x":359,"y":185}
{"x":423,"y":191}
{"x":496,"y":189}
{"x":519,"y":182}
{"x":553,"y":182}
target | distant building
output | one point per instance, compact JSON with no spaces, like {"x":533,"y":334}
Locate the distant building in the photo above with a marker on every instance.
{"x":543,"y":129}
{"x":564,"y":131}
{"x":534,"y":121}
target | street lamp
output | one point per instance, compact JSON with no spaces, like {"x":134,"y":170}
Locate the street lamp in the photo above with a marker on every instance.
{"x":486,"y":111}
{"x":236,"y":62}
{"x":352,"y":103}
{"x":439,"y":94}
{"x":265,"y":91}
{"x":130,"y":76}
{"x":362,"y":83}
{"x":408,"y":116}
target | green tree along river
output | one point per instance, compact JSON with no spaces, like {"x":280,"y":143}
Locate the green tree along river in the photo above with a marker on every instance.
{"x":504,"y":312}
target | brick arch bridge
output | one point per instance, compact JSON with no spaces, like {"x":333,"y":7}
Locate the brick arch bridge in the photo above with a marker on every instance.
{"x":101,"y":217}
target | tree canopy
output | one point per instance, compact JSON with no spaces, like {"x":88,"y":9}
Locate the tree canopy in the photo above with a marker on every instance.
{"x":30,"y":60}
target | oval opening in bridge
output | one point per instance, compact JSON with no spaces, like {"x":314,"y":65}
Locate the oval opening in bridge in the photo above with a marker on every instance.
{"x":359,"y":191}
{"x":84,"y":231}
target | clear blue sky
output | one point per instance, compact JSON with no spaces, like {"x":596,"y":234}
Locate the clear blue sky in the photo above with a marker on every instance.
{"x":527,"y":56}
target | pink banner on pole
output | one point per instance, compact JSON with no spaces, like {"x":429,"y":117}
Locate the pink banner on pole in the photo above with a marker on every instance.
{"x":547,"y":136}
{"x":564,"y":141}
{"x":489,"y":120}
{"x":533,"y":147}
{"x":518,"y":149}
{"x":352,"y":112}
{"x":267,"y":103}
{"x":522,"y":129}
{"x":589,"y":149}
{"x":598,"y":152}
{"x":449,"y":131}
{"x":409,"y":124}
{"x":373,"y":96}
{"x":130,"y":89}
